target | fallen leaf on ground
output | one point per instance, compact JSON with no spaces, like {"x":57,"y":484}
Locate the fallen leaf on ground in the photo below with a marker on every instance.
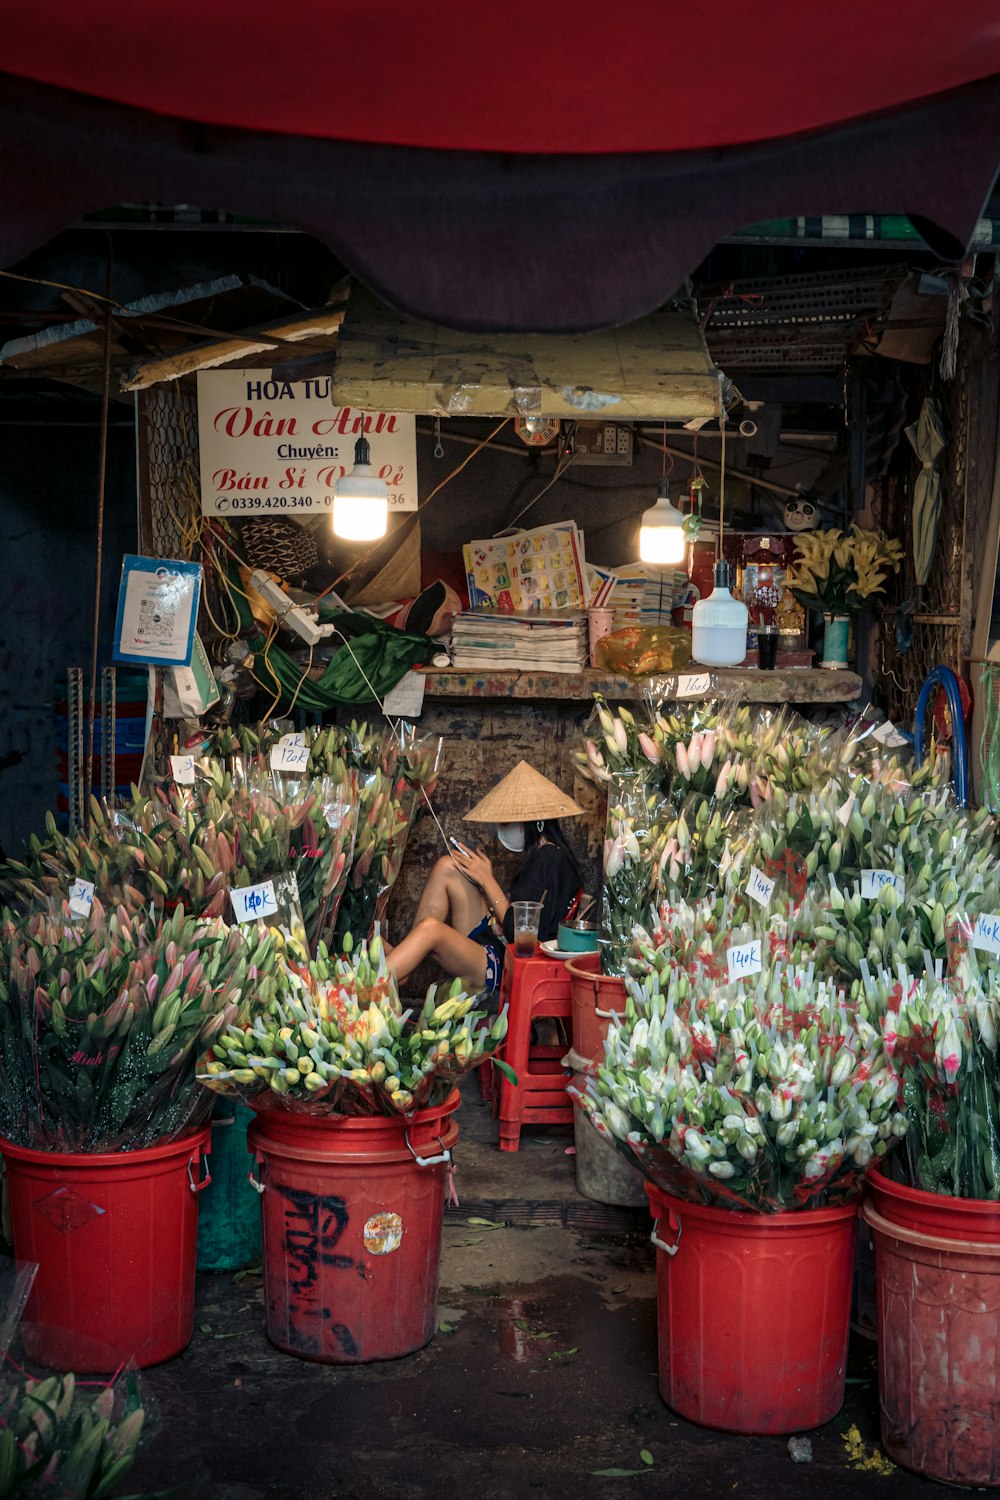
{"x":618,"y":1473}
{"x":646,"y":1457}
{"x":858,"y":1456}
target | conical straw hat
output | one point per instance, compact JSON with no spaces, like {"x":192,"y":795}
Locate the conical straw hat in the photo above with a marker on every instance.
{"x":523,"y":796}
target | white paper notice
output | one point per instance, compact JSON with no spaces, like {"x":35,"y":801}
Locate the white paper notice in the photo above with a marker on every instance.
{"x":694,"y":686}
{"x":873,"y":881}
{"x":986,"y":934}
{"x":760,"y":887}
{"x":81,"y":898}
{"x":406,"y":700}
{"x":253,"y":901}
{"x":182,"y":769}
{"x":888,"y":735}
{"x":291,"y":753}
{"x":744,"y":960}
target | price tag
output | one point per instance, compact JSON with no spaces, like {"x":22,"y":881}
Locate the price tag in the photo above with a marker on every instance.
{"x":81,"y":898}
{"x":253,"y":901}
{"x":694,"y":686}
{"x":182,"y":769}
{"x":760,"y":887}
{"x":888,"y":735}
{"x":873,"y":881}
{"x":290,"y":753}
{"x":744,"y":960}
{"x":986,"y":934}
{"x":844,"y":813}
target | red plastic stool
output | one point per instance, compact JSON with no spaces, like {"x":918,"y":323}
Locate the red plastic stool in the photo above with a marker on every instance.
{"x":532,"y":987}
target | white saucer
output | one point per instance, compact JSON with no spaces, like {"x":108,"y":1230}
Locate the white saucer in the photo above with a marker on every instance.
{"x":551,"y":951}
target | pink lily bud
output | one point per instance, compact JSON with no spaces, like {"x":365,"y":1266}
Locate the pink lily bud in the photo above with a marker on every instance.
{"x":708,"y":748}
{"x":649,"y":749}
{"x":682,"y":760}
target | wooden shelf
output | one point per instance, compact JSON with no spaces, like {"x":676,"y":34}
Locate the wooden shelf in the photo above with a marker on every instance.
{"x":792,"y":685}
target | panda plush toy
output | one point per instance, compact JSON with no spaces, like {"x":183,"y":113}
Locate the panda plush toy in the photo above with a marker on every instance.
{"x":801,"y":515}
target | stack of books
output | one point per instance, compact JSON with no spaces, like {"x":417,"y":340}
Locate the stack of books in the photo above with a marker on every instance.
{"x":646,"y":596}
{"x":486,"y":640}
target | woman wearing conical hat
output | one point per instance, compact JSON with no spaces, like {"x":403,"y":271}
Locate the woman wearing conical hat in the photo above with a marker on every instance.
{"x":464,"y":920}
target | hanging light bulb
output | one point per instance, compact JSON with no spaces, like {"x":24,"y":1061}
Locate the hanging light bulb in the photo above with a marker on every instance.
{"x":360,"y":500}
{"x":661,"y":536}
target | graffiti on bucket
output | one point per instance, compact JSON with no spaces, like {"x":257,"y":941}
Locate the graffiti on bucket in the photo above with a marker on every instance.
{"x":383,"y":1233}
{"x":314,"y":1226}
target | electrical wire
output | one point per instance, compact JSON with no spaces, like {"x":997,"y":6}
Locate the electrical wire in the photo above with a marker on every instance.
{"x":305,"y":674}
{"x":560,"y":471}
{"x":349,"y":572}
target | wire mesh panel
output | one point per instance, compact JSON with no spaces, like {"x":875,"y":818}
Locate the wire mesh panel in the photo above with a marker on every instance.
{"x":168,"y":468}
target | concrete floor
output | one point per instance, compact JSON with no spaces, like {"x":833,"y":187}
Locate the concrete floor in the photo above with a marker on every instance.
{"x":543,"y":1372}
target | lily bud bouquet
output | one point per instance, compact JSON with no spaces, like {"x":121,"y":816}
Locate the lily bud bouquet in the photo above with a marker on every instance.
{"x":337,"y":1041}
{"x":762,"y":1095}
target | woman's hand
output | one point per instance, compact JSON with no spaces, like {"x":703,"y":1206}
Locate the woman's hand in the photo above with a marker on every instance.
{"x":474,"y":865}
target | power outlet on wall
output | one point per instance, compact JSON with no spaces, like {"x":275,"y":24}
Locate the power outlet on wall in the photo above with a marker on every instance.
{"x":602,"y":443}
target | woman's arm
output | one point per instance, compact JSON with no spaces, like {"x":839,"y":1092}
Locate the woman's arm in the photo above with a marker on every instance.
{"x":478,"y":868}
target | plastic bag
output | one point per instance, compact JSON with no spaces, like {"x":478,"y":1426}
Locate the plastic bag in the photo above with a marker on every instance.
{"x":643,"y":650}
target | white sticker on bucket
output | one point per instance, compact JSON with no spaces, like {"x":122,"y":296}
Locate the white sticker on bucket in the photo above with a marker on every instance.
{"x":383,"y":1234}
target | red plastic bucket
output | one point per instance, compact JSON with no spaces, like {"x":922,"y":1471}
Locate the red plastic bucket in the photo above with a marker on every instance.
{"x":753,"y":1313}
{"x":938,"y":1335}
{"x":114,"y":1237}
{"x":352,"y":1230}
{"x":595,"y":996}
{"x":934,"y":1213}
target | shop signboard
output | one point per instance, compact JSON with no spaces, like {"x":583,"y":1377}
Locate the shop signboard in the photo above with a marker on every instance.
{"x":277,"y":447}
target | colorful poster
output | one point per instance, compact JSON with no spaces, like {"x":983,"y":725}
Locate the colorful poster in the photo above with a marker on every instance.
{"x":536,"y":570}
{"x":278,"y":447}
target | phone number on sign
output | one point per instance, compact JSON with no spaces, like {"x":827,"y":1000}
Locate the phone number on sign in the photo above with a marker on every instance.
{"x":224,"y":503}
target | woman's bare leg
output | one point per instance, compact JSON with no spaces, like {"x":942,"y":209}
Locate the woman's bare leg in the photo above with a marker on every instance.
{"x":432,"y":938}
{"x":451,"y":898}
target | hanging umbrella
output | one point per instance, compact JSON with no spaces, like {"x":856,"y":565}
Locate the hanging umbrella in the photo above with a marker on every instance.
{"x":926,"y":437}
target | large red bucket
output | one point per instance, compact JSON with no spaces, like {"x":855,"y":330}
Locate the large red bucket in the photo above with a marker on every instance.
{"x":938,"y":1335}
{"x":595,"y":998}
{"x":934,"y":1213}
{"x":352,"y":1230}
{"x":753,"y":1313}
{"x":114,"y":1238}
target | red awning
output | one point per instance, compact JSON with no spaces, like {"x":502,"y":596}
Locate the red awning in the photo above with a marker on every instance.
{"x":494,"y":167}
{"x":575,"y":76}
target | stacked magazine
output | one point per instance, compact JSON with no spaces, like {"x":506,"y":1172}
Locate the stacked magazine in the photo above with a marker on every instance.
{"x":550,"y":641}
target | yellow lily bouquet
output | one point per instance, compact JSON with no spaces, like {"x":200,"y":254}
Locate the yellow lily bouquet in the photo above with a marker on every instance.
{"x":839,"y":573}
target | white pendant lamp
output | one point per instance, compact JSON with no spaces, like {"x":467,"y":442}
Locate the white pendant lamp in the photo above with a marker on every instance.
{"x":360,"y":500}
{"x":661,"y":536}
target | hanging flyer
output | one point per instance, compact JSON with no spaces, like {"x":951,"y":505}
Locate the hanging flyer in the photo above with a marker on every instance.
{"x":157,"y":610}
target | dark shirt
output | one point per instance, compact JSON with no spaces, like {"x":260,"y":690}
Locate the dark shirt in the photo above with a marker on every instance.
{"x":546,"y":868}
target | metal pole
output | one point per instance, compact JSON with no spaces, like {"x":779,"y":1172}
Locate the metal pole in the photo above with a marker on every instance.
{"x":102,"y":471}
